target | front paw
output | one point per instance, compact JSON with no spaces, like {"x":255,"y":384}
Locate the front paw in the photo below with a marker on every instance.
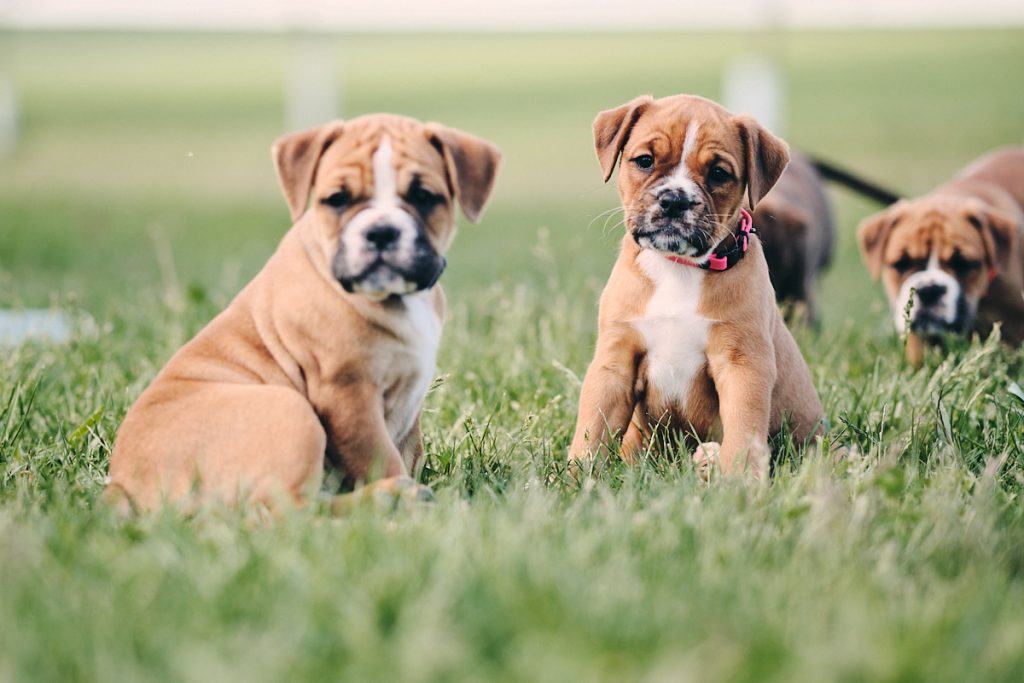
{"x":705,"y":457}
{"x":708,"y":457}
{"x":395,"y":488}
{"x":384,"y":494}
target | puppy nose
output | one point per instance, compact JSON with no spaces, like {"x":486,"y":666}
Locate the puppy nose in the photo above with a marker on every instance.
{"x":673,"y":203}
{"x":382,"y":236}
{"x":930,"y":294}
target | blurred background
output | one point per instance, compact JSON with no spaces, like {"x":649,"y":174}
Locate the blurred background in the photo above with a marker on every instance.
{"x":135,"y":136}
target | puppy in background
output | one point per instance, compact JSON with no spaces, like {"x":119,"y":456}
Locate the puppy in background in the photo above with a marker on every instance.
{"x":794,"y":224}
{"x":689,"y":336}
{"x":326,"y":356}
{"x":952,"y":261}
{"x":796,"y":227}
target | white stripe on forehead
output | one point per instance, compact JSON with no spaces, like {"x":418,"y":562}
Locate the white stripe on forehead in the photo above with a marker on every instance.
{"x":385,"y":181}
{"x":690,"y":141}
{"x":680,"y":175}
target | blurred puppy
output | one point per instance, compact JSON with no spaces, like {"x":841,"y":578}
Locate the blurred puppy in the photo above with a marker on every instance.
{"x":953,"y":260}
{"x":325,"y":357}
{"x":689,"y":336}
{"x":794,"y":222}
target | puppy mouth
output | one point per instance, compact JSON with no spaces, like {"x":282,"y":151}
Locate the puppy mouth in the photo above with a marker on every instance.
{"x":933,"y":324}
{"x":382,"y":278}
{"x":673,"y":236}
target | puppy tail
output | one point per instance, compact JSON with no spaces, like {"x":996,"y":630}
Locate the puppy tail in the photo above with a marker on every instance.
{"x":869,"y":189}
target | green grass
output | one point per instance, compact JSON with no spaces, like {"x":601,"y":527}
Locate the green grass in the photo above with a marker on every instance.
{"x":902,"y":563}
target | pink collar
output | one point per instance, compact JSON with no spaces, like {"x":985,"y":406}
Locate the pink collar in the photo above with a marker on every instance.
{"x":727,"y":258}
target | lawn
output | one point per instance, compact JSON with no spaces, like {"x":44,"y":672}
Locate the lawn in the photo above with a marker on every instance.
{"x":140,"y":198}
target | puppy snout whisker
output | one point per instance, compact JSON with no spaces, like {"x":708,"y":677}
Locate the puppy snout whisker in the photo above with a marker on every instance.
{"x":382,"y":236}
{"x":930,"y":295}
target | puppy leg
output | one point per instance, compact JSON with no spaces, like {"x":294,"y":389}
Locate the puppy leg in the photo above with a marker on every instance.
{"x":411,"y":448}
{"x":607,"y":400}
{"x":357,"y":433}
{"x":193,"y":442}
{"x":744,"y":388}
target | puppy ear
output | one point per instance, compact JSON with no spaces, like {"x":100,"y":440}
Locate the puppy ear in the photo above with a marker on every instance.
{"x":873,"y":234}
{"x":998,"y":232}
{"x":472,"y":165}
{"x":612,"y":128}
{"x":296,"y":156}
{"x":767,"y":157}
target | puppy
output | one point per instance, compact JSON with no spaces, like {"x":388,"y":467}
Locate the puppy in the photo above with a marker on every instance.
{"x":325,"y":357}
{"x":689,"y":336}
{"x":794,"y":223}
{"x":953,"y":260}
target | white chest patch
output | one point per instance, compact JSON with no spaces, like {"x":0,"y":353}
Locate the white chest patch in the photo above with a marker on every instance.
{"x":675,"y":334}
{"x":422,"y":329}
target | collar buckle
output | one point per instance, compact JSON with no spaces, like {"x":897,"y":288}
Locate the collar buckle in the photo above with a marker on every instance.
{"x":731,"y":256}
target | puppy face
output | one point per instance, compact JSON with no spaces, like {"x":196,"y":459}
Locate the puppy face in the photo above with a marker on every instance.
{"x":686,"y":163}
{"x":383,"y":190}
{"x":936,"y":257}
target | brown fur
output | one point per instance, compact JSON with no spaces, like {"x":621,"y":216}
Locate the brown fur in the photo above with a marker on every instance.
{"x":296,"y":370}
{"x":980,"y":215}
{"x":794,"y":223}
{"x":753,"y":376}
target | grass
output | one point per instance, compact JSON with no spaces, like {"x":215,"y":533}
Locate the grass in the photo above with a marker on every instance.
{"x":901,"y":563}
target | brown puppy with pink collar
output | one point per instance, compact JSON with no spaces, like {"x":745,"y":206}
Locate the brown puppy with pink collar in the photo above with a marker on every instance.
{"x":689,"y":336}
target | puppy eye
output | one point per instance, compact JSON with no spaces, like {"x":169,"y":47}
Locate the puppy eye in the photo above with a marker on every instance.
{"x":718,"y":175}
{"x":421,"y":196}
{"x":337,"y":200}
{"x":963,"y":266}
{"x":644,"y":161}
{"x":906,"y":264}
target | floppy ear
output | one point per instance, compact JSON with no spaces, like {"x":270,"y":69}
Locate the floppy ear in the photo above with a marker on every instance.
{"x":611,"y":130}
{"x":295,"y":157}
{"x":767,"y":157}
{"x":873,"y":234}
{"x":472,"y":165}
{"x":998,"y":232}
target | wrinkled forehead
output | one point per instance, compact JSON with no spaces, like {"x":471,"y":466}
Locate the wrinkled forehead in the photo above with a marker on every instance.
{"x":924,"y":227}
{"x":676,"y":122}
{"x":408,"y":151}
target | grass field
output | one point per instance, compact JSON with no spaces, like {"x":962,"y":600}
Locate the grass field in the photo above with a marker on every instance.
{"x":141,"y":198}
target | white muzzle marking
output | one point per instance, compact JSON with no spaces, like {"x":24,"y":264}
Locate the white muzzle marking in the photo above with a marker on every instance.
{"x":681,"y":180}
{"x":943,"y":309}
{"x":384,"y":209}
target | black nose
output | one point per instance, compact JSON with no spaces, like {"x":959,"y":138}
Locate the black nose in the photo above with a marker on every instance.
{"x":674,"y":203}
{"x":382,"y":236}
{"x":930,"y":294}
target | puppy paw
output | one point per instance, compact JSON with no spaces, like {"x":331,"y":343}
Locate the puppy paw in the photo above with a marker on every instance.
{"x":705,"y":457}
{"x":383,"y":494}
{"x":395,"y":489}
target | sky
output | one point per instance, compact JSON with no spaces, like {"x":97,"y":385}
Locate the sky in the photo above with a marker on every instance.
{"x":363,"y":15}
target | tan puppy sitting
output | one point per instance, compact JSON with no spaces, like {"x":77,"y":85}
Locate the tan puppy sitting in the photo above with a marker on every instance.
{"x":953,"y":260}
{"x":689,"y":336}
{"x":325,"y":357}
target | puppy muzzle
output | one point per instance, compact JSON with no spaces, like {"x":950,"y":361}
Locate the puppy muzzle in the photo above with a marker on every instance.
{"x":384,"y":269}
{"x":682,"y":235}
{"x":937,"y":305}
{"x":674,"y":220}
{"x":929,"y":321}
